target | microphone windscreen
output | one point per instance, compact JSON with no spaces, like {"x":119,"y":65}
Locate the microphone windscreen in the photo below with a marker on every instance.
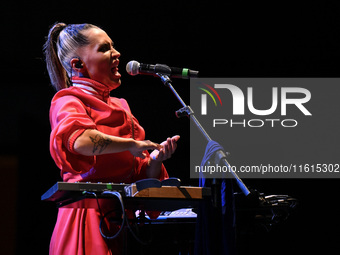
{"x":132,"y":67}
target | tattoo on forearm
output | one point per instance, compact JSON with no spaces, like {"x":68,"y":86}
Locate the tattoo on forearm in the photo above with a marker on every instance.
{"x":100,"y":143}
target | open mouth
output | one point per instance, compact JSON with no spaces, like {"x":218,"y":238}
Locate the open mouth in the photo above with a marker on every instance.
{"x":114,"y":71}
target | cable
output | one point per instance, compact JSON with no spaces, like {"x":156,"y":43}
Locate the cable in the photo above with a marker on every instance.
{"x":119,"y":196}
{"x":125,"y":219}
{"x":135,"y":236}
{"x":95,"y":196}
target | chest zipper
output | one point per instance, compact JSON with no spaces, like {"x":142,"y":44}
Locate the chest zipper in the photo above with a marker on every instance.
{"x":133,"y":137}
{"x":132,"y":126}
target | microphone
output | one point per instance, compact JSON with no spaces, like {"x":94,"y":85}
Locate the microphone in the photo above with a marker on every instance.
{"x":134,"y":68}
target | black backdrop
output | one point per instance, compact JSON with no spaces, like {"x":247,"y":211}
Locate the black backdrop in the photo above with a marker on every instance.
{"x":218,"y":39}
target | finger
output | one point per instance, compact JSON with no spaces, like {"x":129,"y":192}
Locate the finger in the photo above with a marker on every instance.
{"x":175,"y":138}
{"x":164,"y":143}
{"x":171,"y":146}
{"x":159,"y":147}
{"x":151,"y":146}
{"x":165,"y":148}
{"x":174,"y":145}
{"x":160,"y":155}
{"x":168,"y":152}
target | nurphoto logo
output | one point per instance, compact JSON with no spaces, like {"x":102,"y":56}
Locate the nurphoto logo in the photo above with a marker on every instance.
{"x":289,"y":96}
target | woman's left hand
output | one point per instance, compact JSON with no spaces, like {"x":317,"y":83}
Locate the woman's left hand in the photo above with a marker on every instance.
{"x":169,"y":147}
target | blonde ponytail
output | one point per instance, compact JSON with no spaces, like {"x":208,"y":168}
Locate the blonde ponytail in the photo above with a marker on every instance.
{"x":60,"y":47}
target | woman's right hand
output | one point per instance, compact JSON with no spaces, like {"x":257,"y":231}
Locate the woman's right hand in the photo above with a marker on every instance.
{"x":138,"y":147}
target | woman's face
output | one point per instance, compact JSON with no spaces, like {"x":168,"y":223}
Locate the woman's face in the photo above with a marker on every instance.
{"x":100,"y":59}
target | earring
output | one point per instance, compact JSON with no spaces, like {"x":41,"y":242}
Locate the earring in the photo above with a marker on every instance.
{"x":79,"y":64}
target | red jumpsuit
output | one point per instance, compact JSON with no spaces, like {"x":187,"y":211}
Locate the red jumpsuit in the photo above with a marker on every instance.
{"x":88,"y":105}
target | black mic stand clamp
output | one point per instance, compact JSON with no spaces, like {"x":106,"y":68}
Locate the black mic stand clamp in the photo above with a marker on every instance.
{"x":219,"y":157}
{"x":184,"y":112}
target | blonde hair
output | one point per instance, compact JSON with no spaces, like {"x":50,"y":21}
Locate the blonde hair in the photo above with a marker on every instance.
{"x":60,"y":47}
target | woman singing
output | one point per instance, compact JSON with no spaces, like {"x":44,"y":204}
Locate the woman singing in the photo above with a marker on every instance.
{"x":94,"y":136}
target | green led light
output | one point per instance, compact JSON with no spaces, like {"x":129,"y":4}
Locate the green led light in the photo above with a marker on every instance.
{"x":185,"y":72}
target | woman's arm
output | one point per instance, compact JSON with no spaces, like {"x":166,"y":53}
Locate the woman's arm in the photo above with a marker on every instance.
{"x":93,"y":142}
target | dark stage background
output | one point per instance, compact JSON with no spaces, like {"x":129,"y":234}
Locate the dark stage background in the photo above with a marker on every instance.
{"x":221,"y":39}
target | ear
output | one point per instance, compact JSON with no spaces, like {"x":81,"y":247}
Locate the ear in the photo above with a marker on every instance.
{"x":78,"y":67}
{"x":76,"y":64}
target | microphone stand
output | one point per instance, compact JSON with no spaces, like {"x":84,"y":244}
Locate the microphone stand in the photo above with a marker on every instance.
{"x":220,"y":156}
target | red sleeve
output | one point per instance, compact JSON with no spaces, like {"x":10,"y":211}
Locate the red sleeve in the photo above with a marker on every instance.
{"x":68,"y":117}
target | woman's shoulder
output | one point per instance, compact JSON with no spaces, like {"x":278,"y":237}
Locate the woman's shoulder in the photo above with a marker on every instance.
{"x":68,"y":97}
{"x":121,"y":102}
{"x":70,"y":91}
{"x":71,"y":94}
